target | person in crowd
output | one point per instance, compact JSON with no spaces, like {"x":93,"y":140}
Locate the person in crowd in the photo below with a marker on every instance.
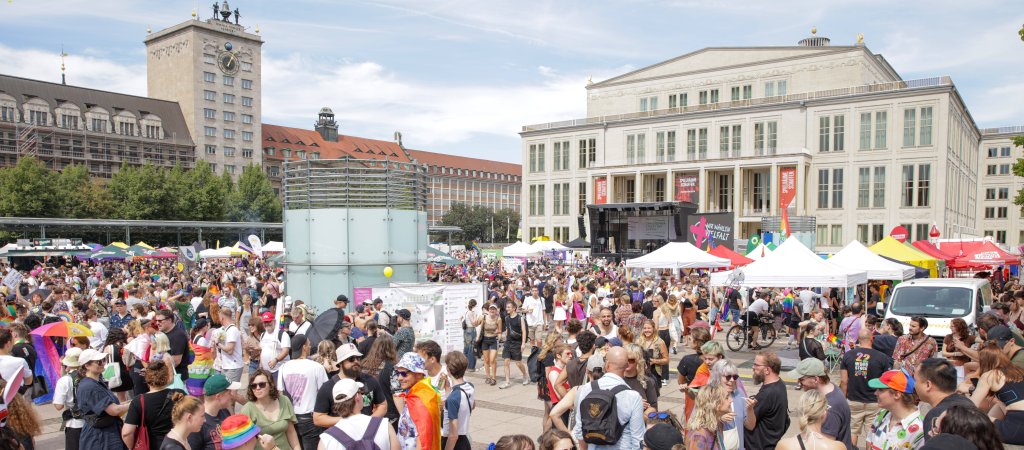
{"x":152,"y":409}
{"x":380,"y":365}
{"x":959,"y":332}
{"x":725,"y":373}
{"x":814,"y":412}
{"x":898,"y":424}
{"x":1001,"y":384}
{"x":99,"y":331}
{"x":218,"y":399}
{"x":890,"y":332}
{"x":935,"y":384}
{"x":513,"y":442}
{"x":490,"y":327}
{"x":629,"y":405}
{"x":405,"y":338}
{"x":374,"y":403}
{"x":120,"y":317}
{"x":913,"y":347}
{"x":605,"y":326}
{"x":811,"y":375}
{"x":229,"y":347}
{"x":275,"y":346}
{"x":810,"y":347}
{"x":850,"y":327}
{"x":419,"y":425}
{"x":325,"y":354}
{"x":299,"y":379}
{"x":64,"y":399}
{"x":300,"y":322}
{"x":575,"y":372}
{"x":21,"y":419}
{"x":533,"y":313}
{"x":767,"y":415}
{"x":239,"y":432}
{"x":704,"y":425}
{"x":970,"y":424}
{"x":690,"y":368}
{"x":114,"y":345}
{"x":354,"y":426}
{"x":187,"y":415}
{"x":177,"y":339}
{"x":555,"y":390}
{"x":372,"y":331}
{"x":458,"y":406}
{"x":555,"y":439}
{"x":515,"y":345}
{"x":100,"y":408}
{"x":469,"y":333}
{"x":10,"y":364}
{"x":271,"y":411}
{"x":436,"y":371}
{"x":662,"y":436}
{"x":858,"y":366}
{"x":655,"y":350}
{"x":638,"y":378}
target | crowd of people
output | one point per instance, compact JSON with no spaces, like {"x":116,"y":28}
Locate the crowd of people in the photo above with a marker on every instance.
{"x":594,"y":343}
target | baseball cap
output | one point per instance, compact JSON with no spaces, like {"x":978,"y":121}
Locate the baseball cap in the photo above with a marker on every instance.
{"x":297,"y":342}
{"x":894,"y":379}
{"x":218,"y":383}
{"x":810,"y":367}
{"x":601,"y":341}
{"x":662,"y":436}
{"x":595,"y":361}
{"x":88,"y":355}
{"x":346,"y":351}
{"x":345,"y":389}
{"x":267,"y":317}
{"x":404,"y":313}
{"x":341,"y":298}
{"x":1001,"y":334}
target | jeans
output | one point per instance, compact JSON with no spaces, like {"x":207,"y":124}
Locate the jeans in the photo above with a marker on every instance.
{"x":469,"y":338}
{"x":309,"y":434}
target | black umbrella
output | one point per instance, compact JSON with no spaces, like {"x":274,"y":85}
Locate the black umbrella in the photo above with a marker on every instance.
{"x":325,"y":327}
{"x":43,"y":292}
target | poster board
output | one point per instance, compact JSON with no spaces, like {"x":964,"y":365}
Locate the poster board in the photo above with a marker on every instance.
{"x":437,"y":309}
{"x":686,"y":188}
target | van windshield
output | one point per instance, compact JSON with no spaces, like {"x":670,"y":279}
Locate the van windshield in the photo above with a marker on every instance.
{"x":931,"y":301}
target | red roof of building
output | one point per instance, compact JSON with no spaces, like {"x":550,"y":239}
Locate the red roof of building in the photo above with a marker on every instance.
{"x":462,"y":162}
{"x":281,"y":137}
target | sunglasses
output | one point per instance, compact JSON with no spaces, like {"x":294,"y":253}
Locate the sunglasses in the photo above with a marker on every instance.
{"x":732,"y":377}
{"x":401,"y":373}
{"x":260,"y":385}
{"x":658,"y":415}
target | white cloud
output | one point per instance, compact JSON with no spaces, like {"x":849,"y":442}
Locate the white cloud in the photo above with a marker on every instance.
{"x":82,"y":70}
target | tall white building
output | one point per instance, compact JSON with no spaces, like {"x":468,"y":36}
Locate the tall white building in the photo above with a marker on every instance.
{"x":870,"y":150}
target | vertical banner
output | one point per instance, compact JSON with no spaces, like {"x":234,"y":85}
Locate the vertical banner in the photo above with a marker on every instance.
{"x":601,"y":190}
{"x":787,"y":194}
{"x":686,"y":188}
{"x":256,"y":245}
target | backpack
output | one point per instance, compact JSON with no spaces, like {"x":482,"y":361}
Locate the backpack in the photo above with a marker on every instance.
{"x":599,"y":417}
{"x":74,"y":412}
{"x":392,"y":323}
{"x":365,"y":443}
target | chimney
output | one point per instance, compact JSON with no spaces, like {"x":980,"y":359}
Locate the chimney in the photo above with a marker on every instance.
{"x":326,"y":125}
{"x":398,"y":138}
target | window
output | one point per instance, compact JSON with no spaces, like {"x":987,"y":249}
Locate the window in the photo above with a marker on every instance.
{"x":635,"y":148}
{"x":769,"y":91}
{"x":246,"y":118}
{"x":1004,"y":169}
{"x":865,"y":131}
{"x":879,"y":191}
{"x":209,"y":113}
{"x":823,"y":189}
{"x":748,"y":92}
{"x":723,"y":141}
{"x":209,"y":59}
{"x":68,"y":121}
{"x":823,"y":133}
{"x":702,"y":143}
{"x":209,"y":77}
{"x":837,"y":188}
{"x":993,"y":152}
{"x":37,"y":117}
{"x":881,"y":125}
{"x":821,"y":235}
{"x":1004,"y":193}
{"x":582,"y":193}
{"x":990,"y":194}
{"x":229,"y":151}
{"x":247,"y":153}
{"x":1001,"y":212}
{"x":229,"y":134}
{"x":648,"y":104}
{"x":838,"y":133}
{"x":588,"y":152}
{"x":126,"y":128}
{"x":537,"y":200}
{"x":560,"y":199}
{"x":991,"y":169}
{"x":536,"y":158}
{"x":926,"y":126}
{"x":837,"y":233}
{"x":765,"y":137}
{"x":210,"y":95}
{"x":735,"y":93}
{"x":1001,"y":236}
{"x":737,"y":131}
{"x":862,"y":233}
{"x":702,"y":97}
{"x":302,"y":155}
{"x":246,"y":66}
{"x":229,"y":81}
{"x":672,"y":103}
{"x":246,"y":84}
{"x":1004,"y":152}
{"x":229,"y":116}
{"x":229,"y":98}
{"x":557,"y":158}
{"x":228,"y":168}
{"x":247,"y":136}
{"x":211,"y":149}
{"x":782,"y":93}
{"x":246,"y":101}
{"x":665,"y":145}
{"x":8,"y":114}
{"x":99,"y":125}
{"x":314,"y":155}
{"x":691,"y":144}
{"x":907,"y":195}
{"x":864,"y":187}
{"x":683,"y":99}
{"x":877,"y":232}
{"x":153,"y":132}
{"x":714,"y":96}
{"x":286,"y":153}
{"x":924,"y":176}
{"x":210,"y":131}
{"x":909,"y":126}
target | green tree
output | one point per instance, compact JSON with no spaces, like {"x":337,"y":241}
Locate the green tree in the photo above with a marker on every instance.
{"x":27,"y":190}
{"x":141,"y":193}
{"x":205,"y":196}
{"x":253,"y":199}
{"x":1018,"y":170}
{"x":506,"y":225}
{"x":79,"y":196}
{"x":476,"y":222}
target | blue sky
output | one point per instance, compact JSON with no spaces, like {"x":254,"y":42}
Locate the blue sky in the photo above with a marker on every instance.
{"x":462,"y":77}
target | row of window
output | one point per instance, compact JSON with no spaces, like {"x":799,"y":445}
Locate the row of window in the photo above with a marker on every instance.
{"x":247,"y":136}
{"x":996,"y":212}
{"x":710,"y":96}
{"x":228,"y":80}
{"x":228,"y":151}
{"x":286,"y":153}
{"x":212,"y":59}
{"x":998,"y":169}
{"x":560,"y":198}
{"x":122,"y":125}
{"x":915,"y":189}
{"x":229,"y":99}
{"x":997,"y":193}
{"x":999,"y":152}
{"x":475,"y":173}
{"x":229,"y":116}
{"x":917,"y":130}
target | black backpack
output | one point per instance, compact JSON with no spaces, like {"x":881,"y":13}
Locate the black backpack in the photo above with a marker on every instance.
{"x":599,"y":417}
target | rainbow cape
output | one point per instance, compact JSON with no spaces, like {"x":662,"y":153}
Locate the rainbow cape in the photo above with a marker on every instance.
{"x":787,"y":303}
{"x":424,"y":404}
{"x":47,"y":364}
{"x":199,"y":369}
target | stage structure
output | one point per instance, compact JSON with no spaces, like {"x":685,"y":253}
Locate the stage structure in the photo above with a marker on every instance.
{"x":627,"y":230}
{"x":345,"y":220}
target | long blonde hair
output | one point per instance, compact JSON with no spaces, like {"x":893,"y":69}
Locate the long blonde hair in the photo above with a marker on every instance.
{"x":636,"y":352}
{"x":813,"y":409}
{"x":550,"y":341}
{"x":705,"y":414}
{"x":160,"y":343}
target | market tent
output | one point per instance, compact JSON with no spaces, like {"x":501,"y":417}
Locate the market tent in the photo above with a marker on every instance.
{"x":759,"y":252}
{"x":215,"y":253}
{"x":975,"y":253}
{"x":110,"y":252}
{"x":578,"y":243}
{"x":736,"y":259}
{"x":138,"y":251}
{"x":143,"y":244}
{"x":791,"y":264}
{"x":549,"y":246}
{"x":119,"y":244}
{"x":520,"y":249}
{"x":856,"y":256}
{"x":933,"y":251}
{"x":892,"y":248}
{"x":678,"y":255}
{"x":438,"y":257}
{"x":273,"y":247}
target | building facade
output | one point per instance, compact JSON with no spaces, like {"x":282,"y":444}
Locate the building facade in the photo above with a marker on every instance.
{"x":471,"y":181}
{"x":720,"y":126}
{"x":63,"y":125}
{"x":212,"y":69}
{"x":999,"y":217}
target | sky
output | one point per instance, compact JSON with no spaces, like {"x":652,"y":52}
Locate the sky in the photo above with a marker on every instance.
{"x":463,"y":77}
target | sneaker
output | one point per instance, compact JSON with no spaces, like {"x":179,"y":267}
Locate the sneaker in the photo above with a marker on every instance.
{"x":526,"y":381}
{"x":504,"y":385}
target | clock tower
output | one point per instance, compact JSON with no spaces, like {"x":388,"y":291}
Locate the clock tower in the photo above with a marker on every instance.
{"x":212,"y":69}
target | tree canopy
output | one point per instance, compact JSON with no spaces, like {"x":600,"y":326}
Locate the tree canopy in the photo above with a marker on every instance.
{"x":477,"y":221}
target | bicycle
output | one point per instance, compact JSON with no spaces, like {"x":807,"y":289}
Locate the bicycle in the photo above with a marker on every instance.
{"x":739,"y":335}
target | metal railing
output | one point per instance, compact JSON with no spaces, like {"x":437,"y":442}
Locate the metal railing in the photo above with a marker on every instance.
{"x":892,"y":86}
{"x":354,"y":183}
{"x":1003,"y":130}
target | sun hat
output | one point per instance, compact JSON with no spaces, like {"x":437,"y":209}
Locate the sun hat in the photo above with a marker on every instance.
{"x":345,"y":389}
{"x":413,"y":362}
{"x":71,"y":357}
{"x":237,"y":430}
{"x":218,"y":383}
{"x":897,"y":380}
{"x":346,"y":351}
{"x":662,"y":436}
{"x":810,"y":367}
{"x":88,"y":355}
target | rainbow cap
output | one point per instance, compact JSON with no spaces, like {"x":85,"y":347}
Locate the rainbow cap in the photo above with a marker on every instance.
{"x":237,"y":430}
{"x":897,"y":380}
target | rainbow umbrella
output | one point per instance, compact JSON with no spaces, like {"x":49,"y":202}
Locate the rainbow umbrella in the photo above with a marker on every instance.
{"x":62,"y":329}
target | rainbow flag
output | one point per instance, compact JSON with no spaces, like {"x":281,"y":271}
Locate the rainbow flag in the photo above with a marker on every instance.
{"x":65,"y":316}
{"x":833,"y":339}
{"x":476,"y":247}
{"x":47,"y":364}
{"x":424,"y":403}
{"x":199,"y":369}
{"x":787,"y":303}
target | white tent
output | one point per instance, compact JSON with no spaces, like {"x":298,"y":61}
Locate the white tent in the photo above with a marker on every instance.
{"x":273,"y":247}
{"x":792,"y":265}
{"x":215,"y":253}
{"x":856,"y":256}
{"x":547,"y":246}
{"x":678,"y":255}
{"x":759,"y":252}
{"x":520,"y":249}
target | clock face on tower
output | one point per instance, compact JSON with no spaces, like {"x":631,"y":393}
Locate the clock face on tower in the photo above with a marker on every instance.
{"x":228,"y":62}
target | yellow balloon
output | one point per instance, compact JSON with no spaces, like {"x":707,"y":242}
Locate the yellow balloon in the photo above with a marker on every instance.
{"x":388,"y":271}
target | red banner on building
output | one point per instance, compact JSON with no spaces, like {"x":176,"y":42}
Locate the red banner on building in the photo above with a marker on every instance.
{"x":600,"y":190}
{"x":686,"y":188}
{"x":787,"y":195}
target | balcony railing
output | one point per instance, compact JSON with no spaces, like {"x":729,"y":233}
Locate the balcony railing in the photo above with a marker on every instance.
{"x":893,"y":86}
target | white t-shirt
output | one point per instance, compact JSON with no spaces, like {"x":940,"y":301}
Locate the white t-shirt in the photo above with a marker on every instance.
{"x":302,"y":378}
{"x":535,"y":316}
{"x":760,"y":306}
{"x":62,"y":396}
{"x":302,"y":328}
{"x":195,"y":301}
{"x":233,"y":360}
{"x":9,"y":365}
{"x":99,"y":335}
{"x":271,"y":346}
{"x":355,"y":427}
{"x":459,"y":405}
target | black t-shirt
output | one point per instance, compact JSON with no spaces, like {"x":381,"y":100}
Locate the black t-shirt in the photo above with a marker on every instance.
{"x":208,"y":437}
{"x":885,"y":343}
{"x":688,"y":366}
{"x":375,"y":395}
{"x":364,"y":346}
{"x":26,"y":351}
{"x":838,"y":420}
{"x":932,"y":418}
{"x":772,"y":412}
{"x":648,"y":394}
{"x":179,"y":347}
{"x":811,"y":348}
{"x":171,"y":444}
{"x":159,"y":406}
{"x":647,"y":309}
{"x":862,"y":364}
{"x":734,"y":299}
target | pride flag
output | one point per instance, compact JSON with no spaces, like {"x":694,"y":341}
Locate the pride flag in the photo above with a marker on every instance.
{"x":199,"y":369}
{"x":424,"y":403}
{"x":787,"y":303}
{"x":48,"y":364}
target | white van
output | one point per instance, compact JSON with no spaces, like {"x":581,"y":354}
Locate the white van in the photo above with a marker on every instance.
{"x":939,"y":300}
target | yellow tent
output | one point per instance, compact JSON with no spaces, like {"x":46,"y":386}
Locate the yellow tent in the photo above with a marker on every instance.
{"x":120,"y":244}
{"x":143,"y":244}
{"x":891,"y":248}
